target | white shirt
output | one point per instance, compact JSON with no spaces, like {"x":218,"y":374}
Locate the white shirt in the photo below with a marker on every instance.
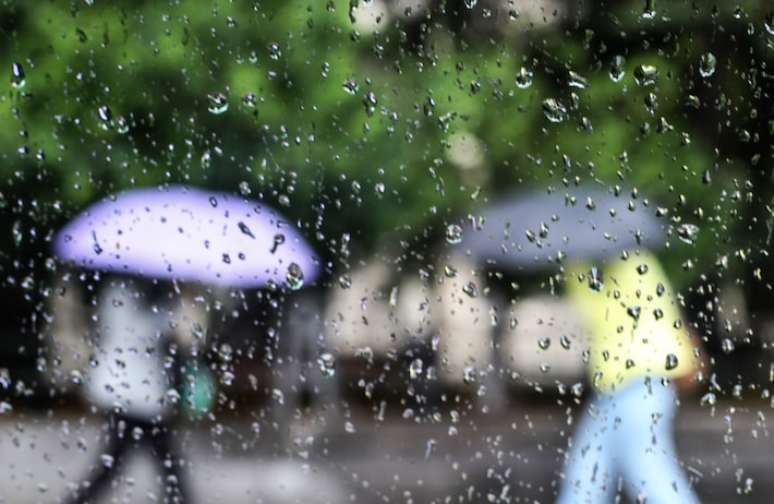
{"x":129,"y":371}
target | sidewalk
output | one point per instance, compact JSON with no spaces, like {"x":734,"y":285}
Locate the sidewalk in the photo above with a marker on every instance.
{"x":510,"y":457}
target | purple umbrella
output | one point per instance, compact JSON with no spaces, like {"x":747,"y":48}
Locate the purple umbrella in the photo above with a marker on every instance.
{"x":188,"y":234}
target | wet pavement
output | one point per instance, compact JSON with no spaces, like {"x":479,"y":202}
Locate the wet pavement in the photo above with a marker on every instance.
{"x":384,"y":455}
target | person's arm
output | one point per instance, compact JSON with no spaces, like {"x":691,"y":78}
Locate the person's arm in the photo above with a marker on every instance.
{"x":689,"y":383}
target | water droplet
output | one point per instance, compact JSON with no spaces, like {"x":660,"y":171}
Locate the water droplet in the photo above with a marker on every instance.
{"x":634,"y":312}
{"x":95,"y":245}
{"x":350,"y":86}
{"x":576,"y":80}
{"x":244,"y":188}
{"x":617,"y":70}
{"x":687,"y":232}
{"x":369,"y":103}
{"x":107,"y":460}
{"x":470,"y":289}
{"x":595,"y":279}
{"x":469,"y":375}
{"x":218,"y":103}
{"x":249,"y":100}
{"x":279,"y":239}
{"x":449,"y":271}
{"x":671,"y":362}
{"x":544,"y":343}
{"x":565,"y":342}
{"x":768,"y":23}
{"x":646,"y":75}
{"x":470,"y":3}
{"x":642,"y":269}
{"x":727,"y":346}
{"x":345,"y":281}
{"x":275,"y":51}
{"x":18,"y":79}
{"x":524,"y":78}
{"x":105,"y":116}
{"x":649,"y":12}
{"x":327,"y":364}
{"x":206,"y":160}
{"x":554,"y":110}
{"x":122,"y":125}
{"x":416,"y":368}
{"x":294,"y":277}
{"x":454,"y":233}
{"x":213,"y":201}
{"x":246,"y":230}
{"x":707,"y":64}
{"x":708,"y":399}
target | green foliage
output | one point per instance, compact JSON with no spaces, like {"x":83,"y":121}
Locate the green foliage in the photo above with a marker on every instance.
{"x":375,"y":160}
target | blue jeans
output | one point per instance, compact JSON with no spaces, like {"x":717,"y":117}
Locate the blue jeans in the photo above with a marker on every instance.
{"x":625,"y":441}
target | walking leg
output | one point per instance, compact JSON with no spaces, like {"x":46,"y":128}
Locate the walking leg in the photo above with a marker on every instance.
{"x":589,"y":476}
{"x":647,"y":455}
{"x":108,"y":464}
{"x":174,"y":478}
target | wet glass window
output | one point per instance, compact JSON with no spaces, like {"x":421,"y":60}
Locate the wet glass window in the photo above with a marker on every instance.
{"x":400,"y":251}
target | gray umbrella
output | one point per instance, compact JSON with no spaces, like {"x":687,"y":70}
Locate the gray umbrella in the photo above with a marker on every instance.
{"x":531,"y":230}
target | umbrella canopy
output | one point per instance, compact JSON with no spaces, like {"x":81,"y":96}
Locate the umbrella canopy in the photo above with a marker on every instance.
{"x":188,"y":234}
{"x":532,"y":230}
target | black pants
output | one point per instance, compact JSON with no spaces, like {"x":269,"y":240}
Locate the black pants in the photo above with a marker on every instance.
{"x":122,"y":436}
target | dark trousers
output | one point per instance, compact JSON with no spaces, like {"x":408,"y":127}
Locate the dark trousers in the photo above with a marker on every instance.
{"x":122,"y":437}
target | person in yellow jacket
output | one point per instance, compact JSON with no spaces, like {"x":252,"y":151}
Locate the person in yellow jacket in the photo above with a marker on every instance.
{"x":637,"y":346}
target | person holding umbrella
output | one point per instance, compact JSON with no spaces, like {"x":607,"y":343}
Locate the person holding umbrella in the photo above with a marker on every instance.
{"x":146,"y":241}
{"x":129,"y":380}
{"x":637,"y":345}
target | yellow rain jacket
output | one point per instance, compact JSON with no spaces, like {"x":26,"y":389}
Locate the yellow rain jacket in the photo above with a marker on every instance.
{"x":632,"y":321}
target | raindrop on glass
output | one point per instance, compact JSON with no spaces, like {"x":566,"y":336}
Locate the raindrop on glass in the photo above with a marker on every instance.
{"x":279,"y":239}
{"x":634,"y":312}
{"x":416,"y":368}
{"x":469,"y":375}
{"x":524,"y":78}
{"x":454,"y":233}
{"x":707,"y":64}
{"x":687,"y":232}
{"x":249,"y":100}
{"x":122,"y":125}
{"x":345,"y":281}
{"x":617,"y":70}
{"x":470,"y":289}
{"x":554,"y":110}
{"x":246,"y":230}
{"x":18,"y":79}
{"x":217,"y":103}
{"x":294,"y":276}
{"x":576,"y":80}
{"x":649,"y":12}
{"x":646,"y":75}
{"x":327,"y":364}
